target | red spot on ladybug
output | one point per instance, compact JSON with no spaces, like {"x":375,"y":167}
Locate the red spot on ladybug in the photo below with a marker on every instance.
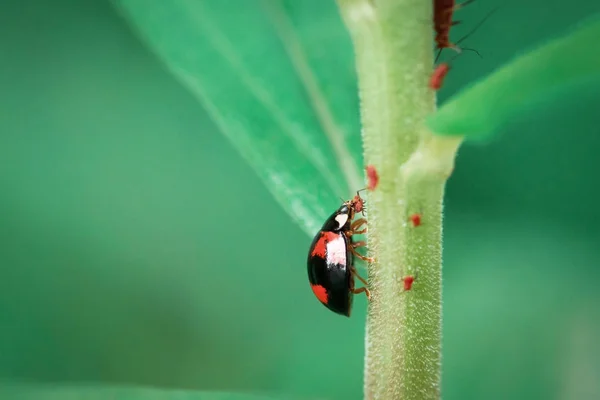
{"x":415,"y":219}
{"x":320,"y":292}
{"x":408,"y":282}
{"x":320,"y":246}
{"x":438,"y":76}
{"x":372,"y":177}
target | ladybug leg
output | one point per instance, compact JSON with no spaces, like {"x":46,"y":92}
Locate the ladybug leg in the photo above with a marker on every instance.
{"x":362,"y":289}
{"x":360,"y":278}
{"x":362,"y":243}
{"x":357,"y":224}
{"x":353,"y":250}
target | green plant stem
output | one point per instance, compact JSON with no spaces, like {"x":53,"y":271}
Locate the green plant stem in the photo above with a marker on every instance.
{"x":393,"y":49}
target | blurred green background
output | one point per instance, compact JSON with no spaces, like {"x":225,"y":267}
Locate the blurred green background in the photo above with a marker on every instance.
{"x":139,"y":249}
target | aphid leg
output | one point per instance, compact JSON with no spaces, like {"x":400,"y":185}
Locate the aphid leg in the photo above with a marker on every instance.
{"x":461,"y":5}
{"x":473,"y":50}
{"x":360,"y":278}
{"x":357,"y":224}
{"x":474,"y":30}
{"x":357,"y":254}
{"x":439,"y":53}
{"x":457,"y":49}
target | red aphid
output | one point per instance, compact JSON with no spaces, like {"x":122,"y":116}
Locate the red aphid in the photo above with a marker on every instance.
{"x":358,"y":203}
{"x":437,"y":78}
{"x":415,"y":219}
{"x":408,"y":282}
{"x":443,"y":11}
{"x":372,"y":177}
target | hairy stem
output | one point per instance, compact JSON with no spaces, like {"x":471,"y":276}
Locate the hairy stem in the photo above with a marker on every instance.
{"x":393,"y":49}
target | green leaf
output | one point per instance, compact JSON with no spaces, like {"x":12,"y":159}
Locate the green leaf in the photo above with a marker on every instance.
{"x":548,"y":71}
{"x":278,"y":79}
{"x":89,"y":392}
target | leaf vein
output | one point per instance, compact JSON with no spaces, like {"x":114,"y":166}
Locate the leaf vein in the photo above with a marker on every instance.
{"x":297,"y":55}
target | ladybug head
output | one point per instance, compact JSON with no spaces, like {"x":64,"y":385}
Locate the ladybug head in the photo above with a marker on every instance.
{"x":340,"y":220}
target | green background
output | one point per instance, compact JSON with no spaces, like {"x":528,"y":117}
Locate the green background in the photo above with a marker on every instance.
{"x":137,"y":247}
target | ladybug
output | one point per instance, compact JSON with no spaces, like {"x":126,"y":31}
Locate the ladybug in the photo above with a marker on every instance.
{"x":331,"y":255}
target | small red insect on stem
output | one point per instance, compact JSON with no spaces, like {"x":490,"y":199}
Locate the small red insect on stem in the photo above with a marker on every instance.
{"x":358,"y":203}
{"x":443,"y":11}
{"x":372,"y":177}
{"x":415,"y":219}
{"x":437,"y":78}
{"x":408,"y":282}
